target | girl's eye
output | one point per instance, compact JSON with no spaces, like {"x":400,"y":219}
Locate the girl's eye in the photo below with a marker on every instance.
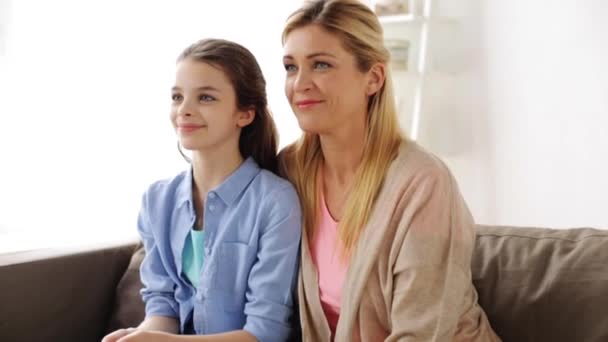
{"x":206,"y":98}
{"x":176,"y":97}
{"x":290,"y":68}
{"x":321,"y":65}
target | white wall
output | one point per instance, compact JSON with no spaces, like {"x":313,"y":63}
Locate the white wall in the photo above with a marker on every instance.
{"x":516,"y":102}
{"x":84,"y":99}
{"x":520,"y":110}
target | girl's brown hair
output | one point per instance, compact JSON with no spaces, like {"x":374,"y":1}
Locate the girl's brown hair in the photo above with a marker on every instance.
{"x":259,"y":138}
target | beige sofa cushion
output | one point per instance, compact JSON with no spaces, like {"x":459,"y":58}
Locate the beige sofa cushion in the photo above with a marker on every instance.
{"x":540,"y":284}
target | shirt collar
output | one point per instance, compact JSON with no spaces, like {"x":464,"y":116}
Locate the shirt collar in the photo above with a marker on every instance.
{"x":236,"y":183}
{"x":228,"y":190}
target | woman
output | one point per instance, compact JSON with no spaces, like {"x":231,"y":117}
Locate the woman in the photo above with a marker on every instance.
{"x":221,"y":238}
{"x":388,"y":239}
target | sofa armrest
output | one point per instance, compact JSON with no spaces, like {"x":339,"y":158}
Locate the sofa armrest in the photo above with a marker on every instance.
{"x":60,"y":294}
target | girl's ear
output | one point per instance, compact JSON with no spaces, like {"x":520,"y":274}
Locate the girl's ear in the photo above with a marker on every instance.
{"x":245,"y":117}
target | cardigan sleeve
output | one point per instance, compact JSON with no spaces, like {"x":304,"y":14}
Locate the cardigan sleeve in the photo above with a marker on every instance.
{"x":431,"y":273}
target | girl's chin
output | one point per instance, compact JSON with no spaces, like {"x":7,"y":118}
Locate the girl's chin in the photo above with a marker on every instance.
{"x":190,"y":146}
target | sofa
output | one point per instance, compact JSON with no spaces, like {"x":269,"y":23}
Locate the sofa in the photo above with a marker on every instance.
{"x":535,"y":284}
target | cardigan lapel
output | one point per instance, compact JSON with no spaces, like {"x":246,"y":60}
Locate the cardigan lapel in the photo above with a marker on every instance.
{"x":311,"y":313}
{"x":366,"y":252}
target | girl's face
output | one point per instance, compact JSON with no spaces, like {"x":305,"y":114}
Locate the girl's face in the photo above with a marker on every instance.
{"x":325,"y":88}
{"x":204,"y":108}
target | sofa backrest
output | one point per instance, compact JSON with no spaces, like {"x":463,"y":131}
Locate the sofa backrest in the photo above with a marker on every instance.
{"x":59,"y":294}
{"x":535,"y":284}
{"x":128,"y":309}
{"x":539,"y":284}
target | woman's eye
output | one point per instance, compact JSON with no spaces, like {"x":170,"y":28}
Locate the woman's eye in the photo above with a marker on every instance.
{"x":206,"y":98}
{"x":176,"y":97}
{"x":290,"y":68}
{"x":321,"y":65}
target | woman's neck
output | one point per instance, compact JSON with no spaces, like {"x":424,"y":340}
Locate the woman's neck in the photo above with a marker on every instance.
{"x":343,"y":153}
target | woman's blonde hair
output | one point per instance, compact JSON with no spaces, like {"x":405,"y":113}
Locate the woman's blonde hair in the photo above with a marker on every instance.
{"x":361,"y":34}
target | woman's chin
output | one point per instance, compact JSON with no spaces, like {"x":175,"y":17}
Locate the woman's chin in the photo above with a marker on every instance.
{"x":310,"y":126}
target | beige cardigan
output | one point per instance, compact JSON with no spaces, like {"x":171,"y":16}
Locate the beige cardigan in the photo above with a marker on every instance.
{"x":409,"y":278}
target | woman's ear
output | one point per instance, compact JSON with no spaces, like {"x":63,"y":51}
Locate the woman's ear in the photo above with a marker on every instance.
{"x":245,"y":117}
{"x":376,"y":78}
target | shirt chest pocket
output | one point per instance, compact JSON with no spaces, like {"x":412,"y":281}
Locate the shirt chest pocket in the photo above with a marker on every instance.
{"x":233,"y":267}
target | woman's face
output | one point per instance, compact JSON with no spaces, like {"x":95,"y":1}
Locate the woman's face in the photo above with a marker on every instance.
{"x":323,"y":85}
{"x":203,"y":108}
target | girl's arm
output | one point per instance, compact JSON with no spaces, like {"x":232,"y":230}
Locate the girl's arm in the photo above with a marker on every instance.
{"x":270,"y":306}
{"x":233,"y":336}
{"x":160,"y":323}
{"x":161,"y":307}
{"x":152,"y":329}
{"x":158,"y":286}
{"x":137,"y":335}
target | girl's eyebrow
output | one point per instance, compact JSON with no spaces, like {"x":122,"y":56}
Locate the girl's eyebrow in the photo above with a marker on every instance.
{"x":205,"y":88}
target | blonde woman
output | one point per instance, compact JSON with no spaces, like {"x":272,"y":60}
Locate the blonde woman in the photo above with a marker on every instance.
{"x":388,"y":239}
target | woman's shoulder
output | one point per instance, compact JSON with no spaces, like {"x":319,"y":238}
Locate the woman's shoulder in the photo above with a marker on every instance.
{"x":414,"y":164}
{"x":285,"y":160}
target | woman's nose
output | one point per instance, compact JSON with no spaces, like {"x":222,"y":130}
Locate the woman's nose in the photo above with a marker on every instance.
{"x":302,"y":81}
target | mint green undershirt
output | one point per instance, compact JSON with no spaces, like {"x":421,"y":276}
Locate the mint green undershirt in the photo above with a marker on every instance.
{"x":193,"y":257}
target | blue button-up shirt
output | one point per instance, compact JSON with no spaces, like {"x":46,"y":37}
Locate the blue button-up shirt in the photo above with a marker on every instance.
{"x":252,"y":223}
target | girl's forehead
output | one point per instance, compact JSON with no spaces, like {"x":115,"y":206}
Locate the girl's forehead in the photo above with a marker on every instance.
{"x":196,"y":74}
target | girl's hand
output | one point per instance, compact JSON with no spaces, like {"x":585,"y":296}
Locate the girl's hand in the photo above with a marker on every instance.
{"x":118,"y":334}
{"x":134,"y":335}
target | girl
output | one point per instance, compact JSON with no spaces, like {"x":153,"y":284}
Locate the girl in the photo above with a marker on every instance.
{"x":221,"y":238}
{"x":388,"y":239}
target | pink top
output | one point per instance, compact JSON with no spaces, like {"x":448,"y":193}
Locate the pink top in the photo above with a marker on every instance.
{"x":331,"y":269}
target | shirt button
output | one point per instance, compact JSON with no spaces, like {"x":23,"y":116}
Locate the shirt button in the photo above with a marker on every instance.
{"x":200,"y":296}
{"x":212,"y":195}
{"x":211,"y":207}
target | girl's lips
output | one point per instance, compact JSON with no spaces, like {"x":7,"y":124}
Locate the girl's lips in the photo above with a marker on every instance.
{"x":188,"y":128}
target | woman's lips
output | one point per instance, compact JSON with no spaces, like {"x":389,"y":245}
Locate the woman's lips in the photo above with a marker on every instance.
{"x":305,"y":104}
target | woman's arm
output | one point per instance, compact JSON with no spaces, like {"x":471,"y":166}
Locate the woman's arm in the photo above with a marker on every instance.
{"x":431,"y":274}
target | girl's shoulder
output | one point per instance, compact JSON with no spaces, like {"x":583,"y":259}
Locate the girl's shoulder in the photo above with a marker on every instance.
{"x":274,"y":187}
{"x":169,"y":190}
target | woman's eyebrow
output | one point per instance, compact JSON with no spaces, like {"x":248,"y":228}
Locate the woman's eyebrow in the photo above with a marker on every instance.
{"x":313,"y":55}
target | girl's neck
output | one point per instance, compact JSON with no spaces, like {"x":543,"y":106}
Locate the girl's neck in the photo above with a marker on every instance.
{"x":210,"y":169}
